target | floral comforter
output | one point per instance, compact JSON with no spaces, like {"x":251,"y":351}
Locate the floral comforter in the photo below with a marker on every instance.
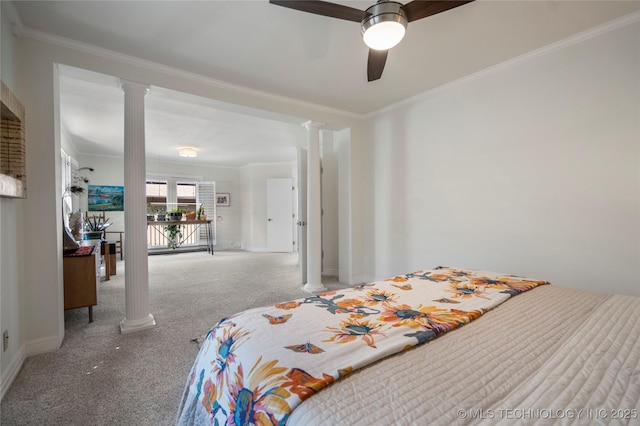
{"x":257,"y":366}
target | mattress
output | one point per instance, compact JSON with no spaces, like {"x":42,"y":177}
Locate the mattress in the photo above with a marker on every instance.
{"x":549,"y":355}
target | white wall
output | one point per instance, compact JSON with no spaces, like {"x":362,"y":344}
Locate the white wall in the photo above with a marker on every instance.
{"x":531,"y":168}
{"x":8,"y":63}
{"x":12,"y":296}
{"x":106,"y":171}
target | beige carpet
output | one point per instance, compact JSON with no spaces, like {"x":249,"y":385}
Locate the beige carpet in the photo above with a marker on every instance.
{"x":100,"y":377}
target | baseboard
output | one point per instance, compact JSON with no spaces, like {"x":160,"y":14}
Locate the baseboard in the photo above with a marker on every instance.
{"x":330,"y":272}
{"x":12,"y":372}
{"x":256,"y":249}
{"x":41,"y":346}
{"x":165,"y":250}
{"x":35,"y":347}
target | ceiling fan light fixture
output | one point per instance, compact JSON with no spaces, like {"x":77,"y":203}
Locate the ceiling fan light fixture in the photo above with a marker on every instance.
{"x":384,"y":26}
{"x":188,"y":152}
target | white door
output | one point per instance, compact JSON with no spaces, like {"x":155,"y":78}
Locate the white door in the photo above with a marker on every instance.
{"x":280,"y":215}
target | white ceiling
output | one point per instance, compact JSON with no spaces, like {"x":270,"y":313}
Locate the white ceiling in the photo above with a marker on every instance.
{"x":283,"y":52}
{"x":92,"y":115}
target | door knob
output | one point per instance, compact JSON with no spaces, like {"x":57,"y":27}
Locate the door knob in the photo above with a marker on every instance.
{"x":269,"y":220}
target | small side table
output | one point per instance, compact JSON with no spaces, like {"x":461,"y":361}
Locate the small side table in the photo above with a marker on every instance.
{"x":108,"y":251}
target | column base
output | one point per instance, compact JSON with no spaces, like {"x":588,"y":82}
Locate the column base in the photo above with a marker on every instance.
{"x":131,"y":326}
{"x":314,"y":288}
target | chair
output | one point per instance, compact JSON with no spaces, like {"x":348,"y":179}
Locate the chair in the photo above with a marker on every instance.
{"x":118,"y":241}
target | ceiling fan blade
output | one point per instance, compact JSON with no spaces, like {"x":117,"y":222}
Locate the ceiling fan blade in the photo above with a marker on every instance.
{"x":419,"y":9}
{"x":375,"y":63}
{"x":323,"y":8}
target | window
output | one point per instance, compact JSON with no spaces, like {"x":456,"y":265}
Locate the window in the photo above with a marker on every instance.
{"x":156,"y":196}
{"x":66,"y":182}
{"x":163,"y":196}
{"x":68,"y":167}
{"x":186,"y":192}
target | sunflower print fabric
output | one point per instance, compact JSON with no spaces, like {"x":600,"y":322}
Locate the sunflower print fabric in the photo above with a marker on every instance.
{"x":255,"y":367}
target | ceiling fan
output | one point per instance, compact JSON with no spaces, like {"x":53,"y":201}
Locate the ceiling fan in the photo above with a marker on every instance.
{"x":383,"y":24}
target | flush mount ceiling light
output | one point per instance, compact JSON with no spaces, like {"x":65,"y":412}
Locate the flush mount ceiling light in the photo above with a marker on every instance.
{"x":188,"y":152}
{"x":385,"y":27}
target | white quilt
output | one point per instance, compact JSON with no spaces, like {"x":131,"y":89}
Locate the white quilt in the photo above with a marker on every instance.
{"x":550,"y":355}
{"x":256,"y":366}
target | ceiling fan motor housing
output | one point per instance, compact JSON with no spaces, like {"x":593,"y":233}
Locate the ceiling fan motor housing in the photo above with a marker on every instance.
{"x":390,"y":14}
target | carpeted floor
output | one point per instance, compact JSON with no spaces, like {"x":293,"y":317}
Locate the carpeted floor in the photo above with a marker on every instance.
{"x":100,"y":377}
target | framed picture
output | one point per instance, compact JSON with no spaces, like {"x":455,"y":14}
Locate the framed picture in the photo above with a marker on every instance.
{"x":105,"y":198}
{"x":223,"y":199}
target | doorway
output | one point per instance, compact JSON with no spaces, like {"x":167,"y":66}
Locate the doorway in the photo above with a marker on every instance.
{"x":280,"y":215}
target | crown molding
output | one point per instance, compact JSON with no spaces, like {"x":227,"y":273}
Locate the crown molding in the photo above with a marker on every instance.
{"x":176,"y":72}
{"x":612,"y":25}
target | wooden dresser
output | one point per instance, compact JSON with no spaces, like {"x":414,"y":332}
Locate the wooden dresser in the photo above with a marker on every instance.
{"x":81,"y":278}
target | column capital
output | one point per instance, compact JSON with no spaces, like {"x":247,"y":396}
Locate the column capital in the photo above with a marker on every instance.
{"x":313,"y":125}
{"x":133,"y":86}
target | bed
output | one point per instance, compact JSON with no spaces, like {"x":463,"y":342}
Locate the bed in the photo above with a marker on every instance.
{"x":509,"y":349}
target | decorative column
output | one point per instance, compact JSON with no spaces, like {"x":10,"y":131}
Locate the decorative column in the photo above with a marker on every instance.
{"x":136,"y":277}
{"x":314,"y":210}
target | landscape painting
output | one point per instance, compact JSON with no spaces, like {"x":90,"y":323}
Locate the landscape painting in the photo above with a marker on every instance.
{"x":105,"y":198}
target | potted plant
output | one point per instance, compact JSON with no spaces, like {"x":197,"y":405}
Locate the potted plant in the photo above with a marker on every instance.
{"x":200,"y":213}
{"x":94,"y":228}
{"x":174,"y":236}
{"x":175,"y":214}
{"x":162,"y":216}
